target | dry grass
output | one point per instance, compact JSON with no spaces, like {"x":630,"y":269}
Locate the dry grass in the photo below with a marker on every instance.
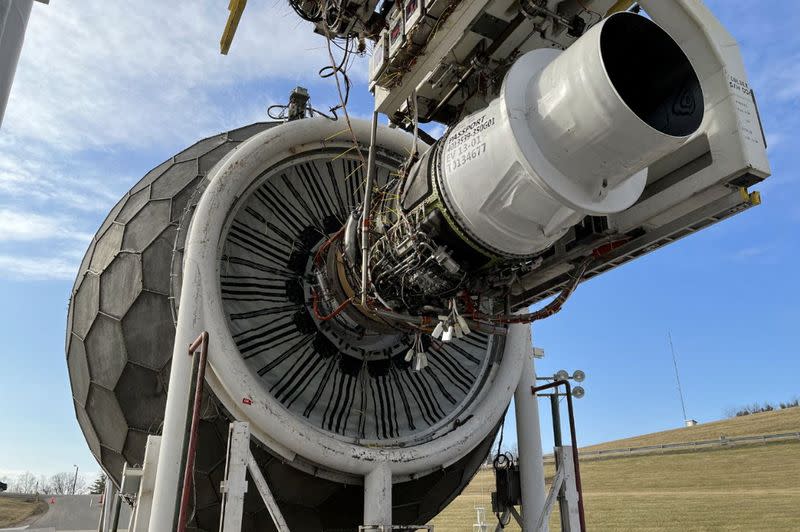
{"x":16,"y":510}
{"x":774,"y":422}
{"x":753,"y":487}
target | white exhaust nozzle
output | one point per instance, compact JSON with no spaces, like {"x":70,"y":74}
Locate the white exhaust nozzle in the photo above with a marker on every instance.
{"x":571,"y":134}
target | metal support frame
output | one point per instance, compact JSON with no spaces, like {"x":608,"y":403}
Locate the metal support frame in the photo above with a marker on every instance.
{"x":555,"y":414}
{"x":565,"y":490}
{"x":239,"y":460}
{"x":574,"y":440}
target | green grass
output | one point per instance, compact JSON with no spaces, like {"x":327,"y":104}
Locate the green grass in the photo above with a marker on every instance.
{"x":774,"y":422}
{"x":16,"y":510}
{"x":752,"y":487}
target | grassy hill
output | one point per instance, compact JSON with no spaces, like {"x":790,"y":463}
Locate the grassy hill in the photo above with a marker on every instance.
{"x":18,"y":509}
{"x":774,"y":422}
{"x":752,"y":487}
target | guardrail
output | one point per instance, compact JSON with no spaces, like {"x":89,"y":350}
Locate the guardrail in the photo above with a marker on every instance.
{"x":722,"y":441}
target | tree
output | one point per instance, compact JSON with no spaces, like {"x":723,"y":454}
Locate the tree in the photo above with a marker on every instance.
{"x":80,"y":485}
{"x":43,"y":485}
{"x":61,"y":483}
{"x":26,"y":483}
{"x":99,"y":485}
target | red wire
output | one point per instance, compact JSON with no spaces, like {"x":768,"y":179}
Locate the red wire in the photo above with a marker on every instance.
{"x":326,"y":245}
{"x":336,"y":312}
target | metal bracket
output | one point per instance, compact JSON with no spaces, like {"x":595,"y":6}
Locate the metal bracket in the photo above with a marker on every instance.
{"x":239,"y":461}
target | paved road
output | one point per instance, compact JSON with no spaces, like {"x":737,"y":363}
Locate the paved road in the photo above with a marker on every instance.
{"x":72,"y":513}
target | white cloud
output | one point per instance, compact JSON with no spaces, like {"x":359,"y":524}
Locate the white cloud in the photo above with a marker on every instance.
{"x":101,"y":84}
{"x":98,"y":74}
{"x":22,"y":268}
{"x":36,"y":176}
{"x":26,"y":226}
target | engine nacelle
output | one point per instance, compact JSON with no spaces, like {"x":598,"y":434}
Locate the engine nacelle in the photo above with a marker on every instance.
{"x":571,"y":134}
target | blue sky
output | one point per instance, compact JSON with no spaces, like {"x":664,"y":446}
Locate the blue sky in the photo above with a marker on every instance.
{"x":105,"y":91}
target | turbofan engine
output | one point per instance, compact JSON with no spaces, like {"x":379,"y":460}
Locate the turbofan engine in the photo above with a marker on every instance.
{"x":265,"y":236}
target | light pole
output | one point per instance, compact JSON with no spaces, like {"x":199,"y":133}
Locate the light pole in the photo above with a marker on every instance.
{"x":75,"y":479}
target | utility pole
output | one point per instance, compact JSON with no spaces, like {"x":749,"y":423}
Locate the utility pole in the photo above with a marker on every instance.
{"x":75,"y":479}
{"x":677,"y":378}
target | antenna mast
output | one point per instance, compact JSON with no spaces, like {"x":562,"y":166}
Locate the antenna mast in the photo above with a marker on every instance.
{"x":677,"y":378}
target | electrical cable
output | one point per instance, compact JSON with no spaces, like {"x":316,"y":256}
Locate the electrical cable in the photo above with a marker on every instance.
{"x":554,"y":306}
{"x":343,"y":97}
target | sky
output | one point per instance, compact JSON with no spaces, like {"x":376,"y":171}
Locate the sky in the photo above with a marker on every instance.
{"x":107,"y":90}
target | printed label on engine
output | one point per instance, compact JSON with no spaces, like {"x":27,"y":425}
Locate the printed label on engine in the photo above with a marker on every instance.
{"x":467,"y":143}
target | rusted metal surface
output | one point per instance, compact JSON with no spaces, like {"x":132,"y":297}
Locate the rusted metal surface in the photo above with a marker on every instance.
{"x":200,"y":343}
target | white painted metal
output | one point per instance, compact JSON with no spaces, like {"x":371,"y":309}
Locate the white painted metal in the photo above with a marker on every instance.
{"x":14,"y":16}
{"x":378,"y":496}
{"x":480,"y":520}
{"x":144,"y":500}
{"x":168,"y":474}
{"x":238,"y":461}
{"x":572,"y":523}
{"x":529,"y":442}
{"x":266,"y":494}
{"x":557,"y":144}
{"x":108,"y":498}
{"x":549,"y":503}
{"x":564,"y":481}
{"x":234,"y":485}
{"x":131,"y":479}
{"x":730,"y":125}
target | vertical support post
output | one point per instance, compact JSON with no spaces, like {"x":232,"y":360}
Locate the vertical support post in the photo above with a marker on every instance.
{"x":365,"y":220}
{"x":568,"y":504}
{"x":117,"y":509}
{"x":555,"y":412}
{"x":108,"y":498}
{"x":378,"y":497}
{"x":109,"y":506}
{"x":556,"y":415}
{"x":144,"y":500}
{"x":173,"y":437}
{"x":13,"y":21}
{"x":529,"y":441}
{"x":234,"y":486}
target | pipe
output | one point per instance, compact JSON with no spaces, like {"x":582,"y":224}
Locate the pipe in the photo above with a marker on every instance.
{"x":556,"y":416}
{"x":202,"y":343}
{"x":365,"y":220}
{"x":378,"y":497}
{"x":529,"y":440}
{"x":573,"y":438}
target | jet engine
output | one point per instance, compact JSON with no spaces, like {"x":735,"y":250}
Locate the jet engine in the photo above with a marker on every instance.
{"x":364,"y":292}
